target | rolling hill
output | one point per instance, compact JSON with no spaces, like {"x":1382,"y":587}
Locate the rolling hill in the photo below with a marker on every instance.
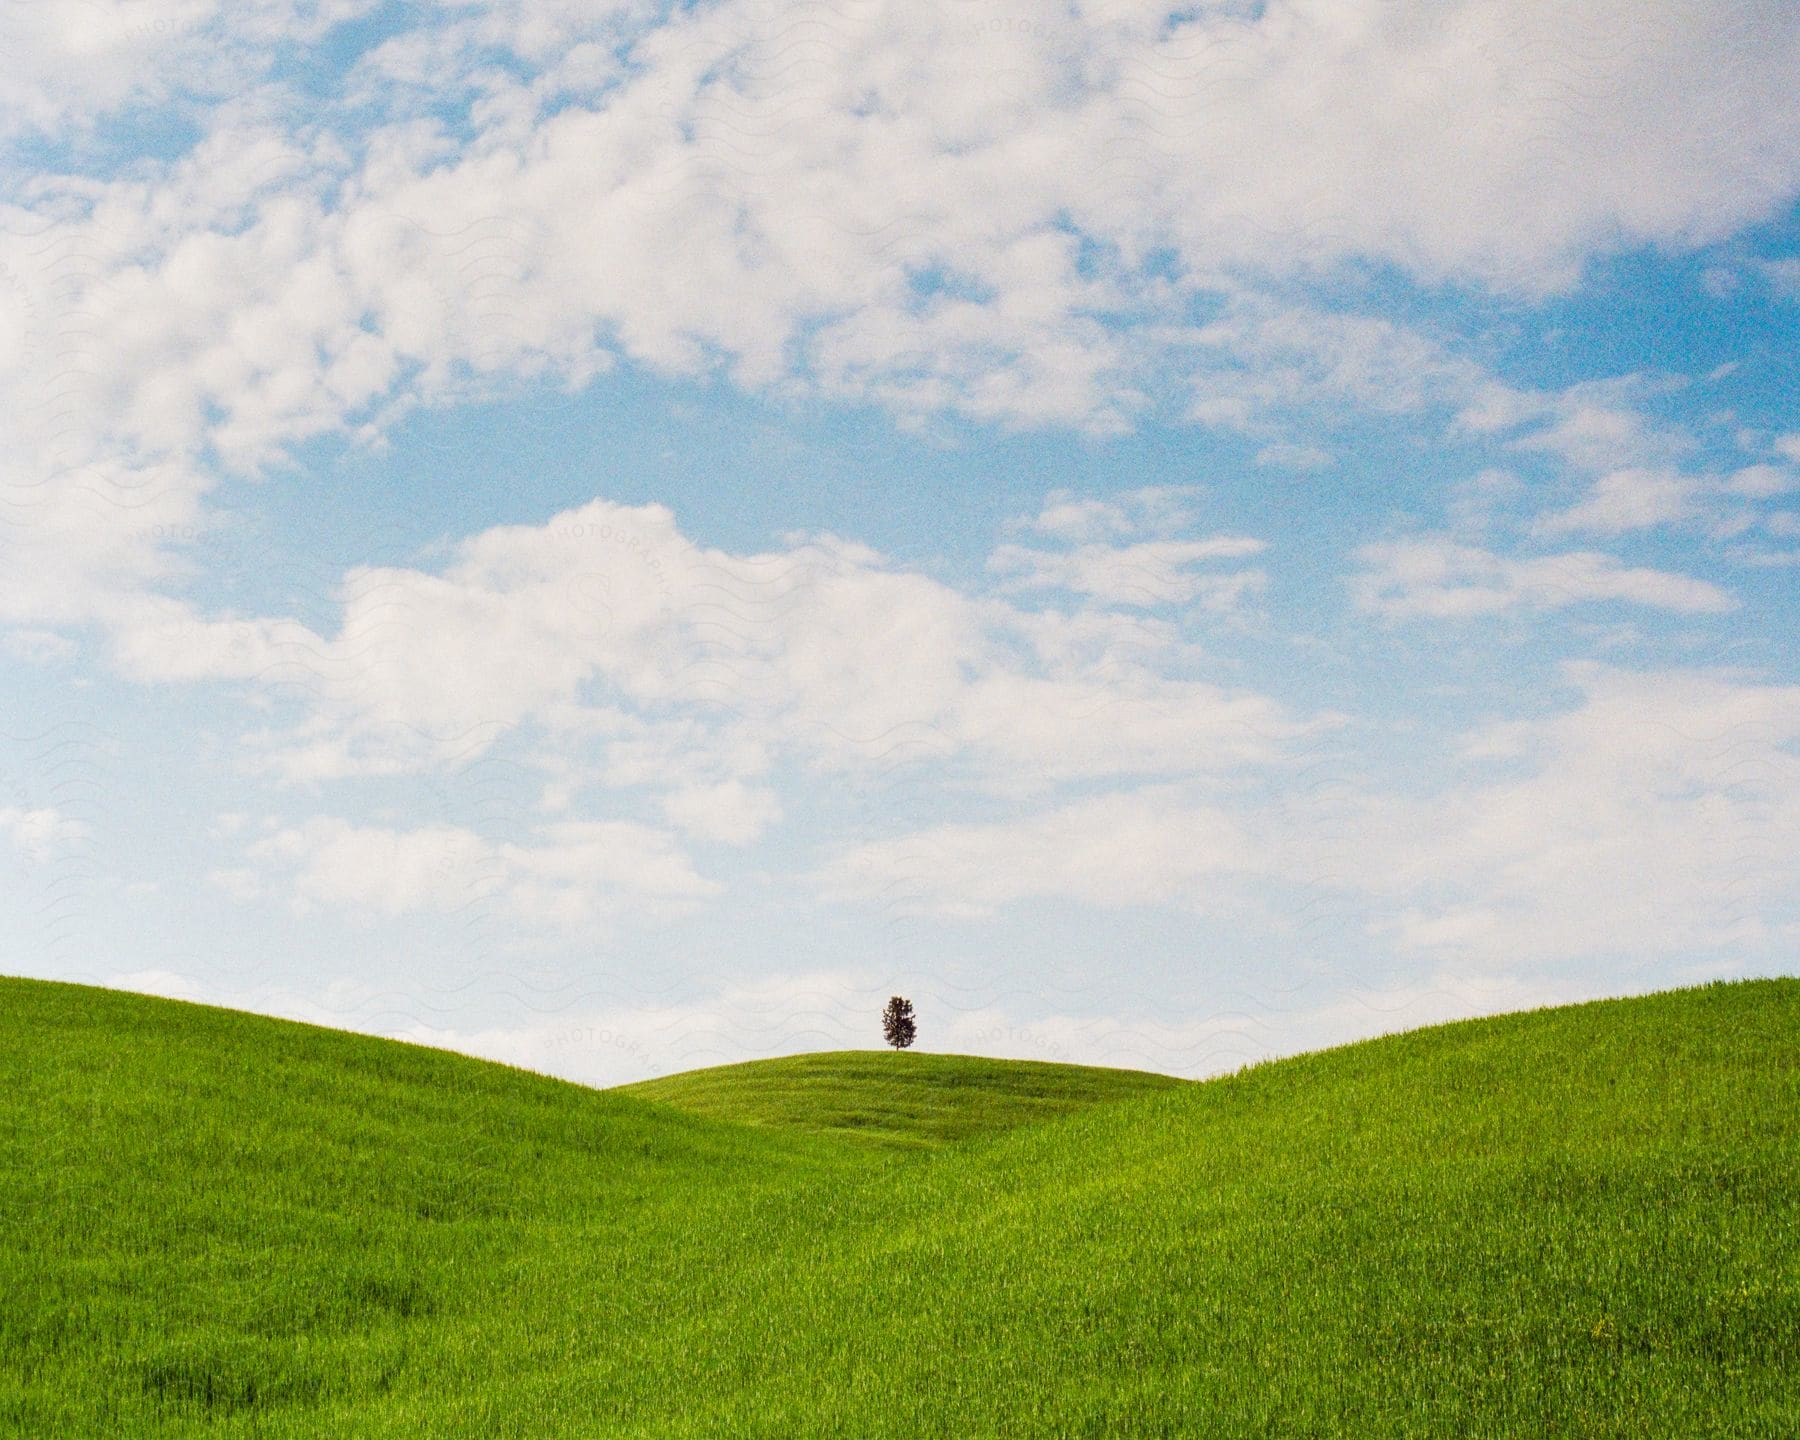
{"x":1583,"y":1221}
{"x":906,"y":1100}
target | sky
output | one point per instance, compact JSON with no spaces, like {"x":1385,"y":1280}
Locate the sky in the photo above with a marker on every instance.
{"x":616,"y":536}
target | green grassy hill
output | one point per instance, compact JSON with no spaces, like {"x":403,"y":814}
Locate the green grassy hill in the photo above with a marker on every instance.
{"x":907,"y":1100}
{"x":1571,"y":1222}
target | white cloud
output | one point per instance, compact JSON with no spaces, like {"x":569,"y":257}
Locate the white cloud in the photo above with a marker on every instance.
{"x":1151,"y":510}
{"x":1276,"y":362}
{"x":825,"y":652}
{"x":622,"y":1042}
{"x":1659,"y":817}
{"x":1246,"y":1031}
{"x":1267,"y":355}
{"x":1601,"y":427}
{"x":1150,"y":847}
{"x":1119,"y":723}
{"x":71,"y":62}
{"x":1480,"y":502}
{"x":335,"y":863}
{"x":1624,"y":500}
{"x":166,"y":983}
{"x":576,"y":872}
{"x":37,"y":647}
{"x":1436,"y":577}
{"x":1761,"y":482}
{"x":1067,"y":518}
{"x":1062,"y":223}
{"x":1294,"y":457}
{"x":39,"y":833}
{"x":879,"y":221}
{"x":1155,"y":572}
{"x":730,"y":812}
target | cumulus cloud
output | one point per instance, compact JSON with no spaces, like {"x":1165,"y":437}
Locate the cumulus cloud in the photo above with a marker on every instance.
{"x":1157,"y":572}
{"x":75,"y":61}
{"x":1150,"y":847}
{"x":1761,"y":482}
{"x":39,"y":833}
{"x":826,"y":652}
{"x":1267,"y":355}
{"x":1099,"y":215}
{"x":1623,"y":500}
{"x":730,"y":812}
{"x":1657,"y":817}
{"x":1151,"y":510}
{"x":573,"y":873}
{"x":1437,"y":577}
{"x":870,"y":216}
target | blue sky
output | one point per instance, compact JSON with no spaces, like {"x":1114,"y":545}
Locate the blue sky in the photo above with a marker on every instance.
{"x":616,"y":537}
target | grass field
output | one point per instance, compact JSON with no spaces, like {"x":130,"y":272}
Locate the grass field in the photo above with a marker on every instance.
{"x":906,"y":1101}
{"x":1576,"y":1222}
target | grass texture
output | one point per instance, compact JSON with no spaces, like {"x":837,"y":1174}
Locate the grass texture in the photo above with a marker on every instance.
{"x":1571,"y":1222}
{"x":901,"y":1101}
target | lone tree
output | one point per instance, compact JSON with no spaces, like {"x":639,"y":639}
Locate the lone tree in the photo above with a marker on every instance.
{"x":897,"y":1023}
